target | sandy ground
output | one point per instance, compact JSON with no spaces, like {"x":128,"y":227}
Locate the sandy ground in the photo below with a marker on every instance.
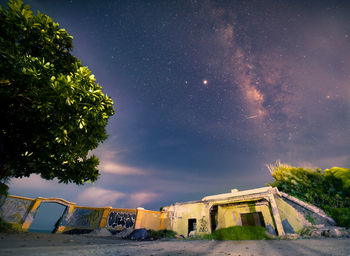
{"x":56,"y":244}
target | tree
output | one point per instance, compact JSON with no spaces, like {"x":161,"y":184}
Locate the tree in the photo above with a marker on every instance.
{"x":51,"y":108}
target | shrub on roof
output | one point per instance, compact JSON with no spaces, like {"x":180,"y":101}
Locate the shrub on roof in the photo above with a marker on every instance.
{"x":328,"y":189}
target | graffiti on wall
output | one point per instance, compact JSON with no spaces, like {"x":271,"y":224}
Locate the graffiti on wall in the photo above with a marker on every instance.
{"x":121,"y":220}
{"x":15,"y":209}
{"x":203,"y":225}
{"x":85,"y":218}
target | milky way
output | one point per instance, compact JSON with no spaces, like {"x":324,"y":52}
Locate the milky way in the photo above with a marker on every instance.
{"x":207,"y":93}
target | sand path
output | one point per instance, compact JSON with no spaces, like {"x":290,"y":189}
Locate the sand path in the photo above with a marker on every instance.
{"x":56,"y":244}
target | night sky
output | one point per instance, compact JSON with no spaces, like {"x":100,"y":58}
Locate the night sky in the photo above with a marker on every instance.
{"x":206,"y":94}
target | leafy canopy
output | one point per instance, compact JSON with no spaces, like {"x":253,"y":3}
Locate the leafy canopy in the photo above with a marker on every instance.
{"x":53,"y":112}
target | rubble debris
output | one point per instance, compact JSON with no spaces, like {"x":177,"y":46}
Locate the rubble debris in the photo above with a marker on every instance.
{"x":138,"y":234}
{"x":100,"y":232}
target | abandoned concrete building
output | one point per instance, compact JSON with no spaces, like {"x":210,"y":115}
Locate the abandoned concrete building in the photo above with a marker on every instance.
{"x":277,"y":211}
{"x":267,"y":207}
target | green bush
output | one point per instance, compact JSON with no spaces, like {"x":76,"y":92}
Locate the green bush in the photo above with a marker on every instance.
{"x":3,"y":189}
{"x":340,"y":215}
{"x":6,"y":227}
{"x":239,"y":233}
{"x":153,"y":234}
{"x":328,"y":189}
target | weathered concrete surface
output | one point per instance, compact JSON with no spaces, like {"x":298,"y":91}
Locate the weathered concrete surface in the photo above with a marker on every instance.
{"x":312,"y":208}
{"x":21,"y":211}
{"x":230,"y":207}
{"x":58,"y":244}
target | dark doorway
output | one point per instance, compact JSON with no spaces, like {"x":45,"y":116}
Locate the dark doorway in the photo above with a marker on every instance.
{"x":192,"y":225}
{"x":214,"y":218}
{"x":252,"y":219}
{"x":47,"y":217}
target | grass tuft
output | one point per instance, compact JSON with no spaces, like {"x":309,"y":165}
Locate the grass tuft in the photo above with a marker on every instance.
{"x":310,"y":219}
{"x":159,"y":234}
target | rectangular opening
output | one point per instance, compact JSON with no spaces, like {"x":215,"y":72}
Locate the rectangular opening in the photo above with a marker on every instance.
{"x":252,"y":219}
{"x":192,"y":225}
{"x":214,"y":218}
{"x":47,"y":217}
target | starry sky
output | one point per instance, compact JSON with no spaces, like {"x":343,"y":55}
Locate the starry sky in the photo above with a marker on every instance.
{"x":206,"y":94}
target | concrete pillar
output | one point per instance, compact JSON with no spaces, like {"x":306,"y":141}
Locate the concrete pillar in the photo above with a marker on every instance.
{"x":62,"y":225}
{"x":276,"y":216}
{"x":31,"y":213}
{"x":162,"y":219}
{"x":105,"y":214}
{"x":139,"y":216}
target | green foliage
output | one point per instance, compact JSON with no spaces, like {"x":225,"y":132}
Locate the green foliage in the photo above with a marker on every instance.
{"x":7,"y":227}
{"x":340,"y":215}
{"x":53,"y":111}
{"x":3,"y":189}
{"x":239,"y":233}
{"x":340,"y":173}
{"x":155,"y":235}
{"x":310,"y":219}
{"x":326,"y":189}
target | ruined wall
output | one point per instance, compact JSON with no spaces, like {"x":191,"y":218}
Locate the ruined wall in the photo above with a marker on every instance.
{"x":166,"y":222}
{"x":292,"y":220}
{"x":230,"y":215}
{"x":90,"y":218}
{"x":82,"y":218}
{"x":115,"y":220}
{"x":21,"y":212}
{"x":120,"y":219}
{"x":306,"y":210}
{"x":149,"y":220}
{"x":14,"y":209}
{"x":179,"y":214}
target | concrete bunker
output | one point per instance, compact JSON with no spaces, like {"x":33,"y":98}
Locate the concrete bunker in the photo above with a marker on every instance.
{"x":278,"y":212}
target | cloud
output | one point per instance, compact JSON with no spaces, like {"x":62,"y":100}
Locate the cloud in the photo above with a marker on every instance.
{"x":32,"y":182}
{"x":140,"y":198}
{"x":35,"y":186}
{"x":111,"y":161}
{"x":95,"y":196}
{"x":114,"y":168}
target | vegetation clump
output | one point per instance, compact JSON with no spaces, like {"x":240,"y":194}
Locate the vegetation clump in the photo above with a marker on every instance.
{"x":328,"y":189}
{"x":239,"y":233}
{"x":159,"y":234}
{"x":7,"y":227}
